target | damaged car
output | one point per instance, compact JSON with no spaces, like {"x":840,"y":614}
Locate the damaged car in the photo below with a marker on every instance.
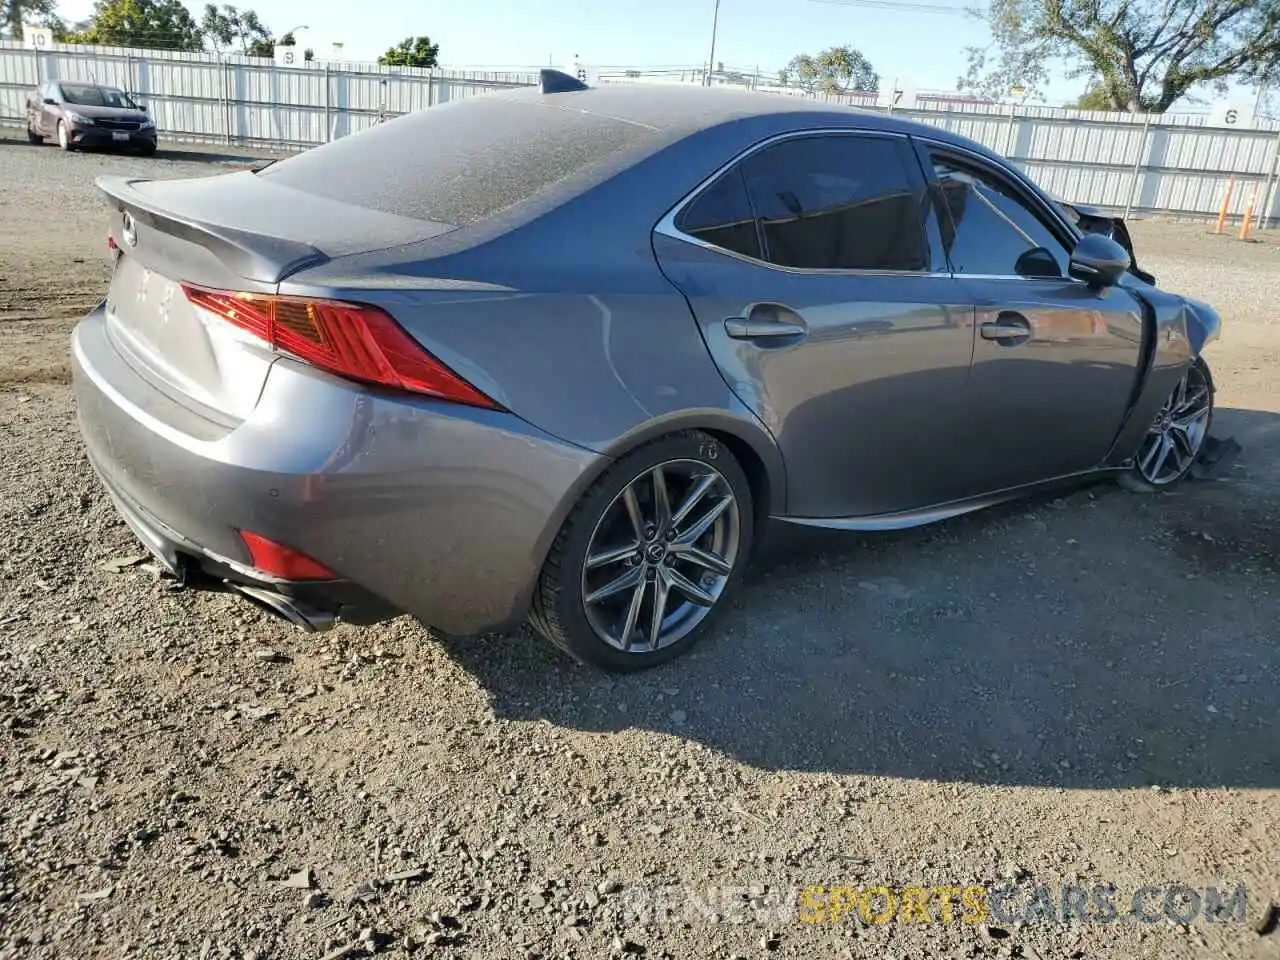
{"x":557,"y":355}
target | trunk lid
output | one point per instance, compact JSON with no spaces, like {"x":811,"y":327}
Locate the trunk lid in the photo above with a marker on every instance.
{"x":233,"y":232}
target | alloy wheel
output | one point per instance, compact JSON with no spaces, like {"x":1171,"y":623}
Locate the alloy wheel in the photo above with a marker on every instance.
{"x":661,"y":555}
{"x":1177,"y":434}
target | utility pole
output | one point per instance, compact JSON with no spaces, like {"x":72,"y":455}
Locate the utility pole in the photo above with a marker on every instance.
{"x":711,"y":60}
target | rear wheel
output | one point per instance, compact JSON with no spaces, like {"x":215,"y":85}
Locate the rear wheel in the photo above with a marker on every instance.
{"x":1174,"y":441}
{"x":64,"y":137}
{"x":647,"y":559}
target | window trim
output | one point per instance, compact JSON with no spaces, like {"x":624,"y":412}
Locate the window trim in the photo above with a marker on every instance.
{"x":1025,"y":193}
{"x":666,"y":226}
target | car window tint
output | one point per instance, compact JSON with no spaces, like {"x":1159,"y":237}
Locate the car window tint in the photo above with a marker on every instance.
{"x":837,"y":202}
{"x":83,"y":95}
{"x":721,"y":216}
{"x":991,"y":232}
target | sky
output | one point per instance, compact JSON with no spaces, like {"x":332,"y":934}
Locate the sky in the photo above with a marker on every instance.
{"x":923,"y":50}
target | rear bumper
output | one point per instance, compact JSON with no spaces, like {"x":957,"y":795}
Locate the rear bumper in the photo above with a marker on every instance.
{"x":436,"y":510}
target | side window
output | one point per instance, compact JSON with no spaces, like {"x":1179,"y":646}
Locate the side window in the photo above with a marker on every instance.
{"x":721,"y":216}
{"x":838,"y":202}
{"x":991,"y":232}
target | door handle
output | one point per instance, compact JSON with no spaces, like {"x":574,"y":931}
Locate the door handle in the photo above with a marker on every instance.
{"x":1008,"y":326}
{"x":743,"y":328}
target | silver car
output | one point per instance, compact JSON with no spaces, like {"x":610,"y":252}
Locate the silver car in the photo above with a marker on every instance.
{"x":557,"y":354}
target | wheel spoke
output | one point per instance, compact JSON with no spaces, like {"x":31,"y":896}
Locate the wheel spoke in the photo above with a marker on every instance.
{"x":690,"y":589}
{"x":612,"y":555}
{"x":1191,"y":419}
{"x":633,"y":512}
{"x":692,"y":499}
{"x":1183,"y":448}
{"x":660,"y":591}
{"x":1194,"y":401}
{"x":1156,"y":444}
{"x":633,"y":614}
{"x":1166,"y":445}
{"x":702,"y":558}
{"x":661,"y":499}
{"x":616,"y":586}
{"x":691,"y":535}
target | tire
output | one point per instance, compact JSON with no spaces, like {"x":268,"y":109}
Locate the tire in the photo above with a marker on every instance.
{"x":147,"y":150}
{"x":33,"y":137}
{"x":602,"y":524}
{"x":64,"y":138}
{"x":1139,"y":480}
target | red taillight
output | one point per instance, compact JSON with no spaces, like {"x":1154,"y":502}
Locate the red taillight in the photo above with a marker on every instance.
{"x":111,"y":243}
{"x":283,"y":562}
{"x":352,"y":340}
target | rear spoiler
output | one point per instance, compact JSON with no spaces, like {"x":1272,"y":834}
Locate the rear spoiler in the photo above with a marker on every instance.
{"x":253,"y":256}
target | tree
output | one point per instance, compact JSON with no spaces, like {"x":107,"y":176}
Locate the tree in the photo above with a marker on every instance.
{"x":1094,"y":98}
{"x":230,"y":27}
{"x":412,"y":52}
{"x":1145,"y":54}
{"x":162,"y":24}
{"x":38,"y":13}
{"x":836,"y":70}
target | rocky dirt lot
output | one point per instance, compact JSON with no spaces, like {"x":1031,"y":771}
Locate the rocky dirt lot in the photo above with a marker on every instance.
{"x":1077,"y":690}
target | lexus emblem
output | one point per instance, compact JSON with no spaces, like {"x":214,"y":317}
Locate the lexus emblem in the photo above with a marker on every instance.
{"x":129,"y":230}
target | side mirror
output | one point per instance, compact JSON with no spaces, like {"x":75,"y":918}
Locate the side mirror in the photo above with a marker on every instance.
{"x":50,"y":101}
{"x":1098,"y":260}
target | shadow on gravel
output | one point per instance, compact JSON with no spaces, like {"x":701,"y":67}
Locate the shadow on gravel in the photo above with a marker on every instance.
{"x":1098,"y":640}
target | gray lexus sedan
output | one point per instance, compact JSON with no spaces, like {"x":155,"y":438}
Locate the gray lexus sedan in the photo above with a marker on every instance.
{"x":557,"y":354}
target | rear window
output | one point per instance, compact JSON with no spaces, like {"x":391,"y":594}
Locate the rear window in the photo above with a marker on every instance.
{"x":460,"y":162}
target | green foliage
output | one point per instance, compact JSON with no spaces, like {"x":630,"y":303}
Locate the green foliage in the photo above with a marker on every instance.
{"x":158,"y":24}
{"x":230,"y":27}
{"x":412,"y":52}
{"x":1144,"y":54}
{"x":1095,"y":98}
{"x":836,"y":70}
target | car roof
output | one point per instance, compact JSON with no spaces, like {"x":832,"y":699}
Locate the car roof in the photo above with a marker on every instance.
{"x":683,"y":109}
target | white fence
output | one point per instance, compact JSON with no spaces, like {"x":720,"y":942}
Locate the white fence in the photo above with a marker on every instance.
{"x":1138,"y":164}
{"x":244,"y":100}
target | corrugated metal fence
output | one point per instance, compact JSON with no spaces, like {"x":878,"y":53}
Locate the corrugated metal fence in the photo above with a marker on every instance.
{"x":245,"y":100}
{"x":1139,"y":164}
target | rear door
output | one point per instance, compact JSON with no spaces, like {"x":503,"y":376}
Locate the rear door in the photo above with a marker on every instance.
{"x":816,"y":276}
{"x":1055,"y":361}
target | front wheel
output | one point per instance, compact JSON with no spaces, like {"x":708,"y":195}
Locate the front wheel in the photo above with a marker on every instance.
{"x":1172,"y":444}
{"x":647,"y":559}
{"x":64,"y":137}
{"x":33,"y":137}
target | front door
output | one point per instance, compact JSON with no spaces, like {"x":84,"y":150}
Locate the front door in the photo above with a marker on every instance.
{"x":1055,"y":360}
{"x":815,"y":273}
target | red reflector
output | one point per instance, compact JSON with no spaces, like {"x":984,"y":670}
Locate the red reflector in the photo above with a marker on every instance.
{"x":352,"y":340}
{"x":283,"y":562}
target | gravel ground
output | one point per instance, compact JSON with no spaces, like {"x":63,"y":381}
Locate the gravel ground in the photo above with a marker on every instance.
{"x":1077,"y":690}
